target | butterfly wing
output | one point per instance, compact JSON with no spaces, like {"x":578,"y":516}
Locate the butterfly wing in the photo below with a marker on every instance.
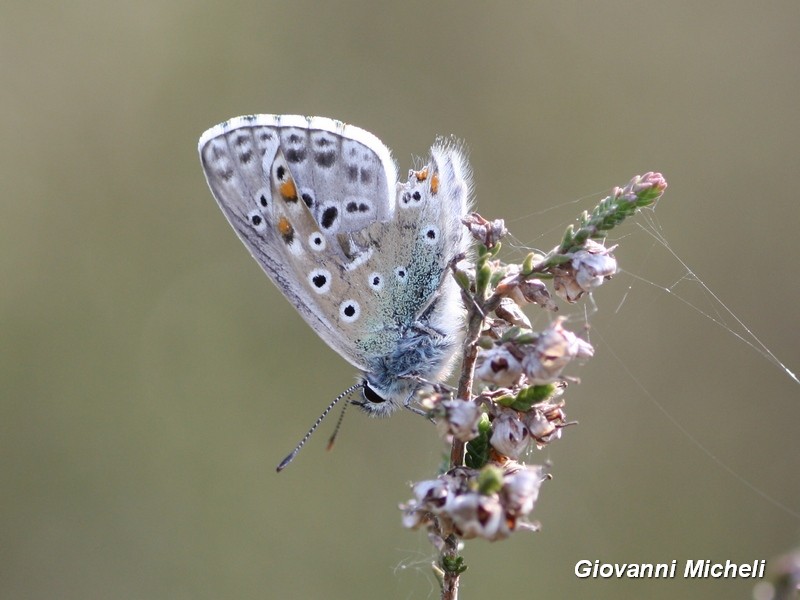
{"x":431,"y":206}
{"x":414,"y":325}
{"x":297,"y":191}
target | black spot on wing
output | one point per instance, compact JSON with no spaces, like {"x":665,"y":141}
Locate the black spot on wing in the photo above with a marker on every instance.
{"x":325,"y":159}
{"x":295,"y":155}
{"x":329,"y":216}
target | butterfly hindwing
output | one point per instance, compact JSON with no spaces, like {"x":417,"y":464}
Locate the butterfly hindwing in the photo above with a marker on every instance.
{"x":407,"y":271}
{"x":430,"y":206}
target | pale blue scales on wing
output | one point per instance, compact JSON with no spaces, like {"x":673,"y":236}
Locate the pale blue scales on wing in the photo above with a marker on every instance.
{"x":363,"y":258}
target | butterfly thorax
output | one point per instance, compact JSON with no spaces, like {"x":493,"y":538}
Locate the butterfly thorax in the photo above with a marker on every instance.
{"x":422,"y":352}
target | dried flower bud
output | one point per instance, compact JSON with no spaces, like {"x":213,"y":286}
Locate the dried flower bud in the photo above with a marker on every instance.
{"x":499,"y":366}
{"x":524,"y":291}
{"x":565,"y":285}
{"x":509,"y":311}
{"x":509,"y":435}
{"x":476,"y":515}
{"x":554,"y":349}
{"x":534,"y":290}
{"x":593,"y":265}
{"x":460,"y":419}
{"x":588,"y":268}
{"x":412,"y":518}
{"x":433,"y":492}
{"x":490,"y":503}
{"x":486,"y":232}
{"x":541,"y":428}
{"x":536,"y":373}
{"x":557,"y":346}
{"x":521,"y":490}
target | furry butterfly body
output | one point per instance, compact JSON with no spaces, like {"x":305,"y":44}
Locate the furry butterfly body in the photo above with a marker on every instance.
{"x":363,"y":258}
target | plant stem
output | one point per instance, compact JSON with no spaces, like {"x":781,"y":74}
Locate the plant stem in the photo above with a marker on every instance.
{"x":474,"y":324}
{"x":451,"y":578}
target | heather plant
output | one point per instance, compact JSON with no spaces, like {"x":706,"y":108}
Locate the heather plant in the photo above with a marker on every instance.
{"x":511,"y":394}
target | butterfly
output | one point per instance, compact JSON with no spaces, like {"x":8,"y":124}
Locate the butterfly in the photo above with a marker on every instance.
{"x":362,"y":257}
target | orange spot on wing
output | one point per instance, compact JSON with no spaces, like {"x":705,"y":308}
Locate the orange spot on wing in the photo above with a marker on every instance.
{"x":421,"y":175}
{"x":288,"y":190}
{"x":285,"y":229}
{"x":435,"y":183}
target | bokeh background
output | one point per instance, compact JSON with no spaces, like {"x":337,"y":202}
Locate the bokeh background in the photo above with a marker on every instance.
{"x":151,"y":377}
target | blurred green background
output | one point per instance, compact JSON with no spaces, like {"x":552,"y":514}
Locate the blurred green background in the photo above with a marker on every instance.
{"x":152,"y":376}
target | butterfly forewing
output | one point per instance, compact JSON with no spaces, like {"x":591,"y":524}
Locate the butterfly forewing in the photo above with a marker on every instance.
{"x":284,"y":184}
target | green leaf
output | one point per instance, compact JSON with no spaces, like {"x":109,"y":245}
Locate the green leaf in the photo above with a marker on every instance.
{"x":478,"y":449}
{"x":453,"y":564}
{"x":527,"y":397}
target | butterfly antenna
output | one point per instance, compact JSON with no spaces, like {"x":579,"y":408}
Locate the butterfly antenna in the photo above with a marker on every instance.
{"x":338,"y":425}
{"x":285,"y":462}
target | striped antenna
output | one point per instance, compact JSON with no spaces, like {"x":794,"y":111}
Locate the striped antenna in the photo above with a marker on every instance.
{"x":285,"y":462}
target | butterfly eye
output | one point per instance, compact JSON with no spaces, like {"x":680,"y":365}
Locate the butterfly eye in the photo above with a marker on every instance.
{"x":349,"y":311}
{"x":430,"y":234}
{"x":256,"y":219}
{"x":371,"y":395}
